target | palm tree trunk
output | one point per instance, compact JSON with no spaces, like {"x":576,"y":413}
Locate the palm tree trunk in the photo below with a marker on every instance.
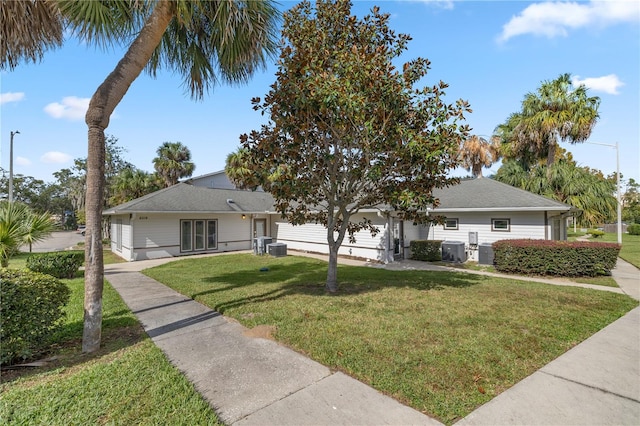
{"x":102,"y":104}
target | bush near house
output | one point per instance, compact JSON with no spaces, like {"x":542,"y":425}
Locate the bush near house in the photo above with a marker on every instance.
{"x":595,"y":233}
{"x":634,"y":229}
{"x":32,"y":305}
{"x":557,"y":258}
{"x":427,"y":250}
{"x":62,"y":264}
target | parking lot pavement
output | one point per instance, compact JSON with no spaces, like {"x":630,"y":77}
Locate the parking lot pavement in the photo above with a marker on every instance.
{"x":57,"y":241}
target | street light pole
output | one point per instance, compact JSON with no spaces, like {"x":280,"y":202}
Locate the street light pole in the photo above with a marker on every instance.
{"x":619,"y":197}
{"x":11,"y":165}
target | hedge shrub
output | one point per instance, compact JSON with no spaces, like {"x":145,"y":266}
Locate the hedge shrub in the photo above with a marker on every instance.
{"x":633,"y":229}
{"x":427,"y":250}
{"x":32,"y":305}
{"x":595,"y":233}
{"x":557,"y":258}
{"x":60,"y":264}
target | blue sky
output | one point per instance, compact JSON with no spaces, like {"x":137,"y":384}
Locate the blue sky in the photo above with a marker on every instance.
{"x":490,"y":53}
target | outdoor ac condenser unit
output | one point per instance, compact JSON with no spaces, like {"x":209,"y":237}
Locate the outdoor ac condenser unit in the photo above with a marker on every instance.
{"x":453,"y":251}
{"x":260,"y":245}
{"x":485,"y":254}
{"x":277,"y":249}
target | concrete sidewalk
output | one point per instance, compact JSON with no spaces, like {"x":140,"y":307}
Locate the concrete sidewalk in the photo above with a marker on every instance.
{"x":250,"y":381}
{"x":255,"y":381}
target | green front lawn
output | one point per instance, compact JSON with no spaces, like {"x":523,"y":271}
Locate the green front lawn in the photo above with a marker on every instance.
{"x":441,"y":342}
{"x":630,"y":246}
{"x":128,"y":381}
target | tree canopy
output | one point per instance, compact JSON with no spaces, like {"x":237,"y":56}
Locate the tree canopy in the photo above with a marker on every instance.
{"x":347,"y":130}
{"x":556,"y":112}
{"x":476,"y":152}
{"x":205,"y":42}
{"x":564,"y":181}
{"x":173,"y":162}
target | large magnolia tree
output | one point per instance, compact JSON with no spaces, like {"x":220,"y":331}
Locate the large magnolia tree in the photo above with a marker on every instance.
{"x":347,"y":130}
{"x":206,"y":42}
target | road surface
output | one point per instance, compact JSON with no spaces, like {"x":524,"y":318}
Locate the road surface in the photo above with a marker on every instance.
{"x":59,"y":240}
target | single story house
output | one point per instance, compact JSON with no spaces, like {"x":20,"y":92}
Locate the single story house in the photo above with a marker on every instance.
{"x":207,"y":214}
{"x":483,"y":210}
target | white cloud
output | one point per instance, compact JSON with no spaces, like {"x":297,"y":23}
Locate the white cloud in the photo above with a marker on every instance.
{"x":607,"y":83}
{"x":445,"y":4}
{"x":554,"y":19}
{"x":21,"y":161}
{"x":55,"y":157}
{"x":71,"y":108}
{"x":11,"y":97}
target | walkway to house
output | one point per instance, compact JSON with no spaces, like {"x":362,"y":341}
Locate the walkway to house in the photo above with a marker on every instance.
{"x":255,"y":381}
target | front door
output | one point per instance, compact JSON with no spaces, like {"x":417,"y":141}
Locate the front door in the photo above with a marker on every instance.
{"x":398,"y":243}
{"x":259,"y":228}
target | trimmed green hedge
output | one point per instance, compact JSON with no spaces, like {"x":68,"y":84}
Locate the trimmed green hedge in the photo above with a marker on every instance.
{"x":32,"y":305}
{"x":427,"y":250}
{"x":60,"y":264}
{"x":557,"y":258}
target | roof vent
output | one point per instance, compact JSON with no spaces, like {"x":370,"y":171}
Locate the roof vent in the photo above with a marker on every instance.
{"x":233,"y":205}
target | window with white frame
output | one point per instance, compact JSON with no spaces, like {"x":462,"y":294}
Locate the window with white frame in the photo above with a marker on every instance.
{"x":451,"y":223}
{"x":198,"y":235}
{"x":503,"y":225}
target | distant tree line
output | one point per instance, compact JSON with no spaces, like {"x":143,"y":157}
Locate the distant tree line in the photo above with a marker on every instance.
{"x":64,"y":198}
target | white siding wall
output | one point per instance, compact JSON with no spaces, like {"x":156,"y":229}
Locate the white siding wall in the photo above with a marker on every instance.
{"x":125,"y":251}
{"x":523,"y":225}
{"x":411,"y":233}
{"x":312,"y":237}
{"x":219,"y":180}
{"x":158,"y":235}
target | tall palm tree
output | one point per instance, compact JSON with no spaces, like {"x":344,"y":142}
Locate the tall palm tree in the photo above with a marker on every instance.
{"x":477,"y":152}
{"x":206,"y":42}
{"x":556,"y":112}
{"x":173,"y":162}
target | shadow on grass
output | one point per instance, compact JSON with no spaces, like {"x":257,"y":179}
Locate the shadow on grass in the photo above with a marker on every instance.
{"x":303,"y":277}
{"x":118,"y":332}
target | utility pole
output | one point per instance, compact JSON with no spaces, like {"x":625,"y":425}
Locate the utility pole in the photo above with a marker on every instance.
{"x":11,"y":165}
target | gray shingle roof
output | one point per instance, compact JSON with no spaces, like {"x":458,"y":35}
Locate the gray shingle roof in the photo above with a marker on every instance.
{"x":480,"y":194}
{"x":185,"y":198}
{"x":484,"y":194}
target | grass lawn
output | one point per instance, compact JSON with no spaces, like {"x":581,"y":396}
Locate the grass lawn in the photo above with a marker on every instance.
{"x":441,"y":342}
{"x":630,"y":246}
{"x":128,"y":381}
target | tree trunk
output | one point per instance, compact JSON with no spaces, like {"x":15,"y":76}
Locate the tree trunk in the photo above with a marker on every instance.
{"x":102,"y":104}
{"x":334,"y":243}
{"x":332,"y":271}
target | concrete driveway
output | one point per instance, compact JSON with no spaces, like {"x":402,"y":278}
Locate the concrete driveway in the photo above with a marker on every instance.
{"x":57,"y":241}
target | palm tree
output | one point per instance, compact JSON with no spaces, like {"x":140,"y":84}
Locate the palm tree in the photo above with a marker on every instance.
{"x":556,"y":112}
{"x":476,"y":153}
{"x":173,"y":162}
{"x":18,"y":226}
{"x":236,"y":168}
{"x":206,"y":42}
{"x":564,"y":181}
{"x":132,"y":183}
